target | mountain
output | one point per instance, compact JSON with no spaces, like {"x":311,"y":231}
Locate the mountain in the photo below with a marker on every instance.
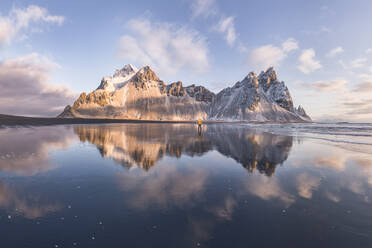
{"x":140,"y":94}
{"x":258,"y":98}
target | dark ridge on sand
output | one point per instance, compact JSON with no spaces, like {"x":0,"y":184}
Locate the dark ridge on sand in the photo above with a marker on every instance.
{"x":12,"y":120}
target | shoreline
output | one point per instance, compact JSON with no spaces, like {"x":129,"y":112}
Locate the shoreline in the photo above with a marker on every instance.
{"x":12,"y":120}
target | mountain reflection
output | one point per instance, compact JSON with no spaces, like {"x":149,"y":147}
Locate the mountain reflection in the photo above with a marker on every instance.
{"x":144,"y":145}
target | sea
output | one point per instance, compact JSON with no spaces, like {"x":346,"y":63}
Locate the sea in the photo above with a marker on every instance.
{"x":174,"y":185}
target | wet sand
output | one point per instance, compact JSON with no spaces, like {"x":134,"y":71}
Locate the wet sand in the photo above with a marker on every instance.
{"x":12,"y":120}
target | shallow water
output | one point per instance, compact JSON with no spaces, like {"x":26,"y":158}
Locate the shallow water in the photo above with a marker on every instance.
{"x":166,"y":185}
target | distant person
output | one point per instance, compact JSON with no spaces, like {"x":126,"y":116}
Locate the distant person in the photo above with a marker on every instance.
{"x":199,"y":126}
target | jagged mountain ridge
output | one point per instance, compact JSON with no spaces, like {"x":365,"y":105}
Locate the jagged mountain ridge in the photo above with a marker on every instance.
{"x":258,"y":98}
{"x":140,"y":94}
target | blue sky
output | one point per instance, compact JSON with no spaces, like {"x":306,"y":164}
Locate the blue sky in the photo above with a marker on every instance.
{"x":321,"y":49}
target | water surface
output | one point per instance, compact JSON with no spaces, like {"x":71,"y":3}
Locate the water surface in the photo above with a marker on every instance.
{"x":167,"y":185}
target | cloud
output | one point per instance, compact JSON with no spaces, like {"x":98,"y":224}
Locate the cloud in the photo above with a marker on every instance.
{"x":203,"y":8}
{"x":332,"y":197}
{"x":290,"y":45}
{"x":364,"y":111}
{"x":334,"y":52}
{"x":165,"y":47}
{"x":224,"y":211}
{"x":271,"y":190}
{"x":29,"y":205}
{"x":369,"y":50}
{"x":307,"y":64}
{"x":25,"y":88}
{"x":270,"y":55}
{"x":163,"y":186}
{"x":227,"y":28}
{"x":359,"y":107}
{"x":364,"y":87}
{"x":306,"y":184}
{"x":322,"y":30}
{"x":266,"y":56}
{"x":347,"y":101}
{"x":25,"y":152}
{"x":366,"y":77}
{"x":358,"y":104}
{"x":327,"y":86}
{"x":18,"y":21}
{"x":358,"y":63}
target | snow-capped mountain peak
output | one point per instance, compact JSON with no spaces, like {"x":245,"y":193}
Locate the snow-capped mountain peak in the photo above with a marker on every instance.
{"x":118,"y":79}
{"x":125,"y":71}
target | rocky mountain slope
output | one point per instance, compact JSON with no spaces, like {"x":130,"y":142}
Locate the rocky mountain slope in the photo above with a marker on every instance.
{"x":258,"y":98}
{"x":139,"y":94}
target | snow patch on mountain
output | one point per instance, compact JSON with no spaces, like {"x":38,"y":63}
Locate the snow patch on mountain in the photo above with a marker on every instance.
{"x":118,"y":79}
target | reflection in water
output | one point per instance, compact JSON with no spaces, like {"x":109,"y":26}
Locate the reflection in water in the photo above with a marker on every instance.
{"x":19,"y":202}
{"x":163,"y":187}
{"x":267,"y":189}
{"x":306,"y":184}
{"x":25,"y":151}
{"x":261,"y":151}
{"x":144,"y":145}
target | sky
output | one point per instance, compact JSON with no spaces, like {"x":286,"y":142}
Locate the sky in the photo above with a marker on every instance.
{"x":51,"y":51}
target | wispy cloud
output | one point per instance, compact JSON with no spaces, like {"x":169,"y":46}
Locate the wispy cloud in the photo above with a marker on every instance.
{"x":322,"y":30}
{"x":360,"y":107}
{"x":203,"y":8}
{"x":364,"y":87}
{"x":271,"y":55}
{"x":18,"y":22}
{"x":227,"y":28}
{"x":349,"y":101}
{"x":290,"y":45}
{"x":358,"y":63}
{"x":327,"y":86}
{"x":335,"y":51}
{"x":164,"y":46}
{"x":307,"y":63}
{"x":225,"y":25}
